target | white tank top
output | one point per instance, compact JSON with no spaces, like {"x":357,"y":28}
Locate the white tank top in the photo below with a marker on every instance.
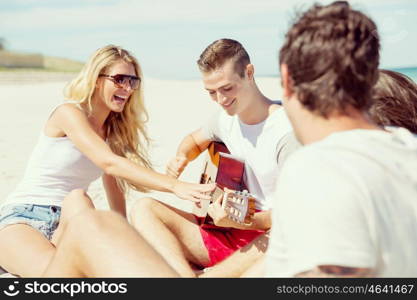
{"x":55,"y":168}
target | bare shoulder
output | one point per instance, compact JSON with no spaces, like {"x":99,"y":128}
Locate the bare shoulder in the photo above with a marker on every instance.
{"x":64,"y":113}
{"x":69,"y":113}
{"x":68,"y":109}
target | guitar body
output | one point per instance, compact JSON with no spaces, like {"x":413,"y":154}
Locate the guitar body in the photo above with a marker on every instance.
{"x":227,"y":172}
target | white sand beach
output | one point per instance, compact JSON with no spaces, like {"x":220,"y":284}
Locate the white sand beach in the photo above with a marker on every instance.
{"x":175,"y":108}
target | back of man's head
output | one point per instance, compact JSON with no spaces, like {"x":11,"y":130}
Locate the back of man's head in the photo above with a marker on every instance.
{"x":332,"y":54}
{"x":221,"y":51}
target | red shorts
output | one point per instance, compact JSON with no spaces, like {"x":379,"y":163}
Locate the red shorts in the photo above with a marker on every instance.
{"x":221,"y":243}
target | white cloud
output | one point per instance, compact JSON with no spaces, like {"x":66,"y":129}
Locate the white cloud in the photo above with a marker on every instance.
{"x":60,"y":27}
{"x":38,"y":15}
{"x":122,"y":13}
{"x":94,"y":13}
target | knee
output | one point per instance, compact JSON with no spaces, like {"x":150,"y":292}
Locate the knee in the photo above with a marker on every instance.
{"x":141,"y":208}
{"x":78,"y":224}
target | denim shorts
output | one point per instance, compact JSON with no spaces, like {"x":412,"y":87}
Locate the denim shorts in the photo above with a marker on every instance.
{"x":44,"y":218}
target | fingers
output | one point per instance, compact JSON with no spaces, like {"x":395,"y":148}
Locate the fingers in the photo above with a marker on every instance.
{"x":219,"y":198}
{"x":210,"y":211}
{"x":193,"y":191}
{"x":194,"y":199}
{"x":202,"y":191}
{"x":172,"y":173}
{"x":176,"y":166}
{"x":223,"y":198}
{"x":208,"y":187}
{"x":199,"y":195}
{"x":191,"y":197}
{"x":217,"y":213}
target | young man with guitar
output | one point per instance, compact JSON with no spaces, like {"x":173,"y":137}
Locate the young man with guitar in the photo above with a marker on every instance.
{"x":253,"y":128}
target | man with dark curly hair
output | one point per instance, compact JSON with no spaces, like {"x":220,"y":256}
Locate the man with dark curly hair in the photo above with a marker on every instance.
{"x":346,"y":202}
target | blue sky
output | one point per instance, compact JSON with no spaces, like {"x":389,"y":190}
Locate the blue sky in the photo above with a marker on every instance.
{"x":168,"y":36}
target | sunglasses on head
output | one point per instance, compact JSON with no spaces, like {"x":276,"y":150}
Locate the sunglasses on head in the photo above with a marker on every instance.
{"x":121,"y":80}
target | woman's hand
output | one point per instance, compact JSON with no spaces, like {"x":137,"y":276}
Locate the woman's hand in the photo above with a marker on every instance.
{"x":193,"y":191}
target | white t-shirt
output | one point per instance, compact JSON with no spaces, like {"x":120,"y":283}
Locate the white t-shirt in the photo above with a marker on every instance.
{"x":263,"y":147}
{"x":349,"y":200}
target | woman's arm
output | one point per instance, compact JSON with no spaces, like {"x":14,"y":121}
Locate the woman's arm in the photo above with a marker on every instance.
{"x":74,"y":123}
{"x":115,"y":196}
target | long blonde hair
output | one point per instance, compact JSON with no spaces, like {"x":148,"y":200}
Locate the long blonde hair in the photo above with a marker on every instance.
{"x":126,"y":131}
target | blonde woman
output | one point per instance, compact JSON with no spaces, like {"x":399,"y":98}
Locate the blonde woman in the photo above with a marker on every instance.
{"x":99,"y":131}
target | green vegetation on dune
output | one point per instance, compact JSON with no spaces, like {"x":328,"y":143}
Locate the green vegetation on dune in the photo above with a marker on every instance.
{"x":50,"y":64}
{"x":15,"y":61}
{"x":59,"y":64}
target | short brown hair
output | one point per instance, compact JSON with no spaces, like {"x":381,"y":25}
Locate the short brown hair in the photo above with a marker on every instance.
{"x":220,"y":51}
{"x":332,"y":54}
{"x":395,"y":101}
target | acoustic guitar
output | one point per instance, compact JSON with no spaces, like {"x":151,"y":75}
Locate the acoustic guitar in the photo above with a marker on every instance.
{"x":227,"y":172}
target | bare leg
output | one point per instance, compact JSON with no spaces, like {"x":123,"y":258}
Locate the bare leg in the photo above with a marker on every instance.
{"x":175,"y":234}
{"x":241,"y":261}
{"x":257,"y":269}
{"x":103,"y":244}
{"x":24,"y":251}
{"x":74,"y":203}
